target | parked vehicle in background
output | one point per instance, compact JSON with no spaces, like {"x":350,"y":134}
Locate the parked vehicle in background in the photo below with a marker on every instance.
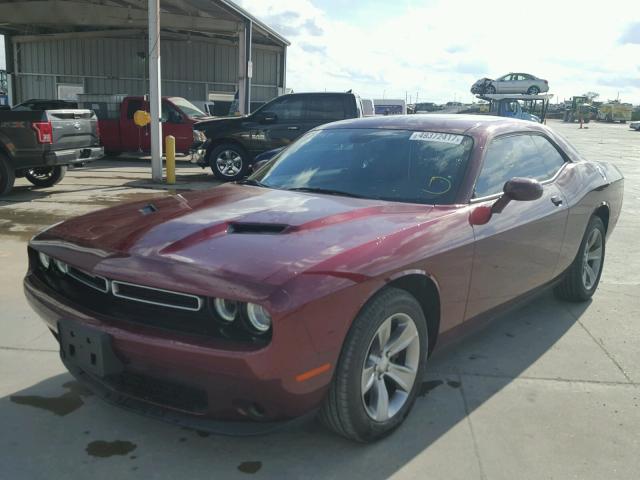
{"x":40,"y":144}
{"x":615,"y":112}
{"x":523,"y":107}
{"x":119,"y":133}
{"x":208,"y":108}
{"x":389,"y":106}
{"x":367,"y":107}
{"x":635,"y":125}
{"x":234,"y":142}
{"x":44,"y":104}
{"x":426,"y":107}
{"x":578,"y":106}
{"x":511,"y":83}
{"x":373,"y":242}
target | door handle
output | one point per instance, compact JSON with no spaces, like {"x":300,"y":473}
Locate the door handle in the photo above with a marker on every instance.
{"x":293,"y":128}
{"x":556,"y":200}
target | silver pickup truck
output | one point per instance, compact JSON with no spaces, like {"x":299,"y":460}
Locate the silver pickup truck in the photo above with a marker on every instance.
{"x":40,"y":144}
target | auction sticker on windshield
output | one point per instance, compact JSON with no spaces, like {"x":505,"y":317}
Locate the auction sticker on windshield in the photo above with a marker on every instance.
{"x":437,"y":137}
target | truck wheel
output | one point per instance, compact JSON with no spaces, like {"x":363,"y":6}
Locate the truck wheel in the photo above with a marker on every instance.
{"x":7,"y":175}
{"x":229,"y":162}
{"x":46,"y":176}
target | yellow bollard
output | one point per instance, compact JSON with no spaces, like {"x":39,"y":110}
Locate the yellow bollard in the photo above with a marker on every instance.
{"x":170,"y":149}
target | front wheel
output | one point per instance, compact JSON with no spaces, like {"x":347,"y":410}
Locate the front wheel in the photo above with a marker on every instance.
{"x":380,"y":368}
{"x":533,"y":90}
{"x":583,"y":276}
{"x":229,"y":162}
{"x":490,"y":90}
{"x":46,"y":176}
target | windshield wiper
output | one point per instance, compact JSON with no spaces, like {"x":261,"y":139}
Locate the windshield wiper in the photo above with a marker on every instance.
{"x":327,"y":191}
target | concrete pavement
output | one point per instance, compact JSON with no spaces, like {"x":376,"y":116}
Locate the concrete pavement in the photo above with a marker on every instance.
{"x":551,"y":390}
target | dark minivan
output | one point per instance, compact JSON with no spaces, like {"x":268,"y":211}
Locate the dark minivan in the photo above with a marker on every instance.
{"x":234,"y":142}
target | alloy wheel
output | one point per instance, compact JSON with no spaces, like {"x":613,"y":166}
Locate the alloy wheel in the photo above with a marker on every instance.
{"x":229,"y":163}
{"x":390,"y":367}
{"x":592,"y":259}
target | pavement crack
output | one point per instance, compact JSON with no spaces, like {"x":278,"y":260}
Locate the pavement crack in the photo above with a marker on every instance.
{"x":26,"y":349}
{"x":476,"y":448}
{"x":601,"y":345}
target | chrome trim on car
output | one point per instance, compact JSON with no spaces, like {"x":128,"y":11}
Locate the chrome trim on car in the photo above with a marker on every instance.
{"x":116,"y":293}
{"x":88,"y":284}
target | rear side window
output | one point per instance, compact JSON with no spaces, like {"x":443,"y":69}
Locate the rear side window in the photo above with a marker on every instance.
{"x":548,"y":155}
{"x":326,"y":107}
{"x":516,"y":156}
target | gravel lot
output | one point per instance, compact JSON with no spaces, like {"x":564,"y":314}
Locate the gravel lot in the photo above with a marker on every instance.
{"x":549,"y":391}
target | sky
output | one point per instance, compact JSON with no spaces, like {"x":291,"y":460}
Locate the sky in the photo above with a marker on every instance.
{"x":434,"y":50}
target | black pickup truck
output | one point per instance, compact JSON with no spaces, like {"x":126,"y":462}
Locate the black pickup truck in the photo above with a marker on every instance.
{"x":234,"y":142}
{"x":40,"y":144}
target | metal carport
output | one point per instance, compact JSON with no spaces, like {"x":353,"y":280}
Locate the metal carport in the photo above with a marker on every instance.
{"x":102,"y":46}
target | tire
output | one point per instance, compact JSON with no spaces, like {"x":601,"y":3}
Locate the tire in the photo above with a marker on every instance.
{"x":7,"y":175}
{"x":490,"y":90}
{"x":573,"y":286}
{"x":46,"y":176}
{"x":533,"y":90}
{"x":229,"y":162}
{"x":347,"y":410}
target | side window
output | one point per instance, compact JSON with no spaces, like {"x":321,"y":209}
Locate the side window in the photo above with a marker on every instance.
{"x":287,"y":108}
{"x":132,"y":107}
{"x":169,"y":113}
{"x":548,"y":155}
{"x":325,"y":107}
{"x":508,"y":157}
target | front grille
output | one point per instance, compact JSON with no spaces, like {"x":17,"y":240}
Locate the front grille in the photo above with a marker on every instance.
{"x":175,"y":312}
{"x":93,"y":281}
{"x":156,"y":296}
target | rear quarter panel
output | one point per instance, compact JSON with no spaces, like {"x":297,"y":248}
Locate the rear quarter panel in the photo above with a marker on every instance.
{"x":587,"y":186}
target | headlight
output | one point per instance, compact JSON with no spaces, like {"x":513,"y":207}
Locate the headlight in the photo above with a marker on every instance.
{"x":227,"y":309}
{"x":199,"y":136}
{"x":45,"y":260}
{"x":63,"y":267}
{"x":258,"y":317}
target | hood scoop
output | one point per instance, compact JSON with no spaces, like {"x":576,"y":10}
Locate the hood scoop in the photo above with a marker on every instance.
{"x":256,"y":228}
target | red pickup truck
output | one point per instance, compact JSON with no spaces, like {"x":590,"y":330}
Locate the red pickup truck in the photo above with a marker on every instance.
{"x":119,"y":133}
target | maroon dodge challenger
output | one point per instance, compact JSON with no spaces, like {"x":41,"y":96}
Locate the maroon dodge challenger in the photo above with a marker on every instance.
{"x":323,"y":282}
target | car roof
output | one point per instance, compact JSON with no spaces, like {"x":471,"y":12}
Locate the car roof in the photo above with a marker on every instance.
{"x":454,"y":123}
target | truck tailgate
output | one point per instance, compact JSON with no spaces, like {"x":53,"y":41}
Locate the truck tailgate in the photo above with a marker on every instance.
{"x":73,"y":129}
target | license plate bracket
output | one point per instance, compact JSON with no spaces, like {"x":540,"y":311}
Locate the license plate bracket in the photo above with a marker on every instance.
{"x":87,"y":348}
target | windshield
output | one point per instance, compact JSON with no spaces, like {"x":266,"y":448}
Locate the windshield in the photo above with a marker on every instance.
{"x":395,"y":165}
{"x":188,"y":108}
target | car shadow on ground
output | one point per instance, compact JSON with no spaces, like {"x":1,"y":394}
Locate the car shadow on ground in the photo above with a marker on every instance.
{"x":72,"y":420}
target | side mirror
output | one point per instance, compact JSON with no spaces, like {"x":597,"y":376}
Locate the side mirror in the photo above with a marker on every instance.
{"x":518,"y":189}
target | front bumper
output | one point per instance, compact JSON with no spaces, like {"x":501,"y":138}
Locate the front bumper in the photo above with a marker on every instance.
{"x":74,"y":155}
{"x":219,"y":383}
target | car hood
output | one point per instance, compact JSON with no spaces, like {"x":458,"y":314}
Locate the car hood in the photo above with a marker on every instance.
{"x":255,"y":237}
